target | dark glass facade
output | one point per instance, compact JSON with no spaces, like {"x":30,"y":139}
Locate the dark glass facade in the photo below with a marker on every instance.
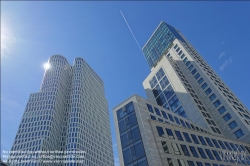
{"x":164,"y":93}
{"x":159,"y":42}
{"x":131,"y":142}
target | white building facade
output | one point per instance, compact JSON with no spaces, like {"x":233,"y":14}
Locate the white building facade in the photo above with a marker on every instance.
{"x":69,"y":113}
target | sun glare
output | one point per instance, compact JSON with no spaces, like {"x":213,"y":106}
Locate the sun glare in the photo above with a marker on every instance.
{"x":7,"y":38}
{"x":46,"y":65}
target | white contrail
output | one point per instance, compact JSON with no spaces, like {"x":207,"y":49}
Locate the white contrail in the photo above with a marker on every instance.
{"x":131,"y":32}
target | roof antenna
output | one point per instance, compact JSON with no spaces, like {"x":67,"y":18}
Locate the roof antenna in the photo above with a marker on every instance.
{"x":131,"y":32}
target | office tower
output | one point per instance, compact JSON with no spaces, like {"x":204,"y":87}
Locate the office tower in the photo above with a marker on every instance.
{"x":199,"y":94}
{"x":69,"y":113}
{"x":186,"y":98}
{"x":150,"y":135}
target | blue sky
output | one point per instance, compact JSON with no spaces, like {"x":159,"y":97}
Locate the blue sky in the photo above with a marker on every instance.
{"x":33,"y":31}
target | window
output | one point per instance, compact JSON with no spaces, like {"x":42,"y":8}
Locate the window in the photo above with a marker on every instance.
{"x":176,"y":45}
{"x":157,"y":111}
{"x":209,"y":154}
{"x":208,"y":91}
{"x":133,"y":152}
{"x":187,"y":137}
{"x":150,"y":108}
{"x":218,"y":131}
{"x":194,"y":71}
{"x":204,"y":85}
{"x":174,"y":102}
{"x":160,"y":119}
{"x":227,"y":117}
{"x":185,"y":59}
{"x":202,"y":153}
{"x":190,"y":163}
{"x":160,"y":74}
{"x":191,"y":67}
{"x":217,"y":103}
{"x":232,"y":145}
{"x":193,"y":151}
{"x":188,"y":63}
{"x":232,"y":125}
{"x":129,"y":107}
{"x":130,"y":136}
{"x":171,"y":117}
{"x":182,"y":123}
{"x":170,"y":133}
{"x":127,"y":122}
{"x":239,"y":133}
{"x":152,"y":117}
{"x":227,"y":145}
{"x":170,"y":162}
{"x":166,"y":106}
{"x":202,"y":140}
{"x":217,"y":156}
{"x":212,"y":97}
{"x":178,"y":49}
{"x":164,"y":114}
{"x":181,"y":112}
{"x":160,"y":99}
{"x":185,"y":150}
{"x":192,"y":126}
{"x":200,"y":80}
{"x":120,"y":114}
{"x":153,"y":82}
{"x":176,"y":149}
{"x":248,"y":149}
{"x":199,"y":163}
{"x":177,"y":120}
{"x":221,"y":144}
{"x":168,"y":92}
{"x":209,"y":142}
{"x":197,"y":76}
{"x":194,"y":139}
{"x":188,"y":125}
{"x":178,"y":134}
{"x":160,"y":131}
{"x":181,"y":162}
{"x":215,"y":143}
{"x":222,"y":110}
{"x":157,"y":90}
{"x":165,"y":147}
{"x":164,"y":82}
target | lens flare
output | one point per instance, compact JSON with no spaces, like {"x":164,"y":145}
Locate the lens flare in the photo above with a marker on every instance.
{"x":46,"y":65}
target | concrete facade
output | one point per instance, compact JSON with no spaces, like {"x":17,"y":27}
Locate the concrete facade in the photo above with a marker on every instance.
{"x":152,"y":142}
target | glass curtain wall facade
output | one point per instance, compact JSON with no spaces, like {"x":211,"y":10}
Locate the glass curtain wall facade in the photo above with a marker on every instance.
{"x":158,"y":43}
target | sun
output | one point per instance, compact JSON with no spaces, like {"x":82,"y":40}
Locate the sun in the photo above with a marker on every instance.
{"x":46,"y":66}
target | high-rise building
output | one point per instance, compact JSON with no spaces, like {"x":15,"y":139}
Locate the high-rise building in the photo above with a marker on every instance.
{"x":150,"y":135}
{"x":69,"y":113}
{"x":199,"y":94}
{"x":190,"y":118}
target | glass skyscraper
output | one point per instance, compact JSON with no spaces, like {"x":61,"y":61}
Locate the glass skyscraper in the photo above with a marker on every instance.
{"x":161,"y":39}
{"x":68,"y":114}
{"x":191,"y":118}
